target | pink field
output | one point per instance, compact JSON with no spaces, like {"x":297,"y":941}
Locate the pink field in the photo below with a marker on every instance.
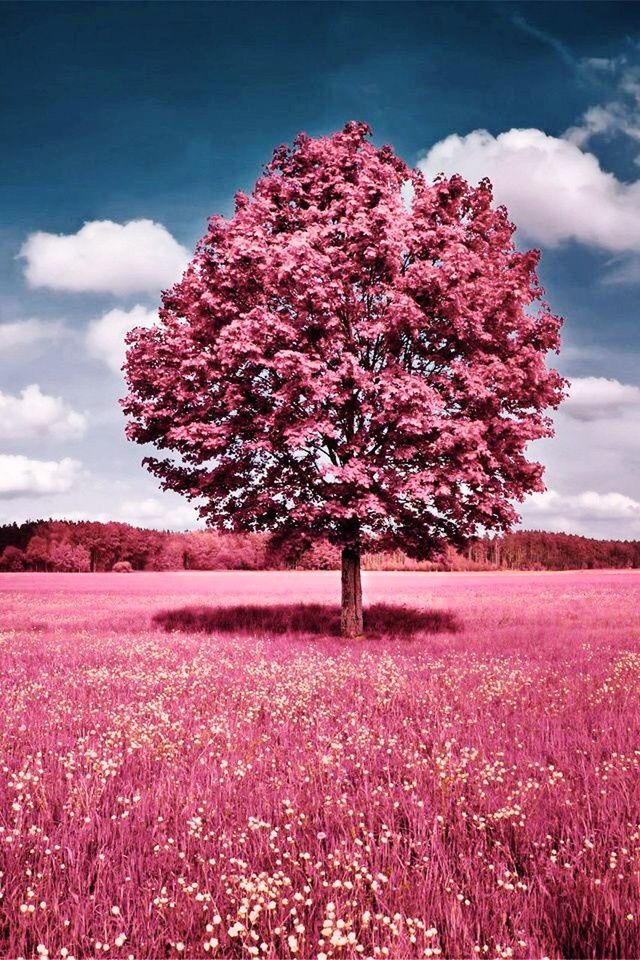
{"x":473,"y":791}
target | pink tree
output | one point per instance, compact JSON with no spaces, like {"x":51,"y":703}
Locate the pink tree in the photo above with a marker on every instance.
{"x":356,"y":354}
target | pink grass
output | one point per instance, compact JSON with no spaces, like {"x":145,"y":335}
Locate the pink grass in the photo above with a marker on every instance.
{"x":453,"y":794}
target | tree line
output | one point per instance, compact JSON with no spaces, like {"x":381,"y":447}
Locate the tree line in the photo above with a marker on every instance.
{"x":89,"y":546}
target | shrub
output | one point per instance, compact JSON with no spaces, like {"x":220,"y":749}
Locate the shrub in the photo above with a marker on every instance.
{"x":13,"y":559}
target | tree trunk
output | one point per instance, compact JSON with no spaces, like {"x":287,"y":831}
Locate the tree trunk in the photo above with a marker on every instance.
{"x":351,"y":618}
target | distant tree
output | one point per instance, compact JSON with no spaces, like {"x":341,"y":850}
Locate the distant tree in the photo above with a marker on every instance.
{"x":321,"y":555}
{"x":91,"y":535}
{"x":143,"y":547}
{"x":355,"y":355}
{"x":66,"y":557}
{"x":17,"y":535}
{"x":37,"y":552}
{"x":110,"y":545}
{"x":13,"y":559}
{"x":168,"y":553}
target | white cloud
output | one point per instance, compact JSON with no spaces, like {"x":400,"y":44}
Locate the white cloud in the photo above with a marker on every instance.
{"x":553,"y":190}
{"x":105,"y":336}
{"x":105,"y":257}
{"x":36,"y":415}
{"x":593,"y":398}
{"x":589,"y":503}
{"x":626,"y":270}
{"x":154,"y":512}
{"x":604,"y":120}
{"x":589,"y":513}
{"x":77,"y":515}
{"x":592,"y":463}
{"x":25,"y":333}
{"x":620,"y":114}
{"x":19,"y":475}
{"x":608,"y":505}
{"x":606,"y":64}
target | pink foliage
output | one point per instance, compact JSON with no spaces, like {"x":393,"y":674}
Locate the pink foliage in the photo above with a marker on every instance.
{"x":13,"y":559}
{"x":342,"y":362}
{"x":75,"y":546}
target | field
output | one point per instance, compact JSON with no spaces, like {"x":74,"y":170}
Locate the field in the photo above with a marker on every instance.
{"x":464,"y":783}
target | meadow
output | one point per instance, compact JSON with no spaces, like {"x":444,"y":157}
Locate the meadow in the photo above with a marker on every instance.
{"x":192,"y":765}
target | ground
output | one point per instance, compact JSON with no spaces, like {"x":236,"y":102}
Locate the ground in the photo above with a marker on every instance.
{"x":464,"y":783}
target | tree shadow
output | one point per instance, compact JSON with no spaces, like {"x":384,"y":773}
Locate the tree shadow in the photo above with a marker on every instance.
{"x":381,"y":619}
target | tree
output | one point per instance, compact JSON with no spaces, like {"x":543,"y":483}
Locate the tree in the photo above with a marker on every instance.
{"x":13,"y":559}
{"x":37,"y":552}
{"x":65,"y":557}
{"x":356,"y":355}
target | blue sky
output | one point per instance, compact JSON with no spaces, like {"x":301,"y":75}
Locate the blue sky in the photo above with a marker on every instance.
{"x":140,"y":120}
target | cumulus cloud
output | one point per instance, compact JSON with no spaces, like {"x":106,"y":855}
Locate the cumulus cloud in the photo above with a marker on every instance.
{"x":105,"y":257}
{"x":588,"y":503}
{"x":593,"y":398}
{"x":592,"y":464}
{"x":590,"y":513}
{"x":20,"y":334}
{"x":34,"y":415}
{"x":154,"y":512}
{"x":20,"y":476}
{"x":554,"y":191}
{"x":105,"y":336}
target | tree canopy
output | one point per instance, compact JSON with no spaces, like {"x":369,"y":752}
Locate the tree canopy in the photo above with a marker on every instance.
{"x":356,"y":355}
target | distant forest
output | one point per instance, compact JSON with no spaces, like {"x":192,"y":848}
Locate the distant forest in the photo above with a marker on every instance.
{"x":65,"y":546}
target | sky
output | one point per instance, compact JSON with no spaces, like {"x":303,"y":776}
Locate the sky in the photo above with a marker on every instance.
{"x":124,"y":126}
